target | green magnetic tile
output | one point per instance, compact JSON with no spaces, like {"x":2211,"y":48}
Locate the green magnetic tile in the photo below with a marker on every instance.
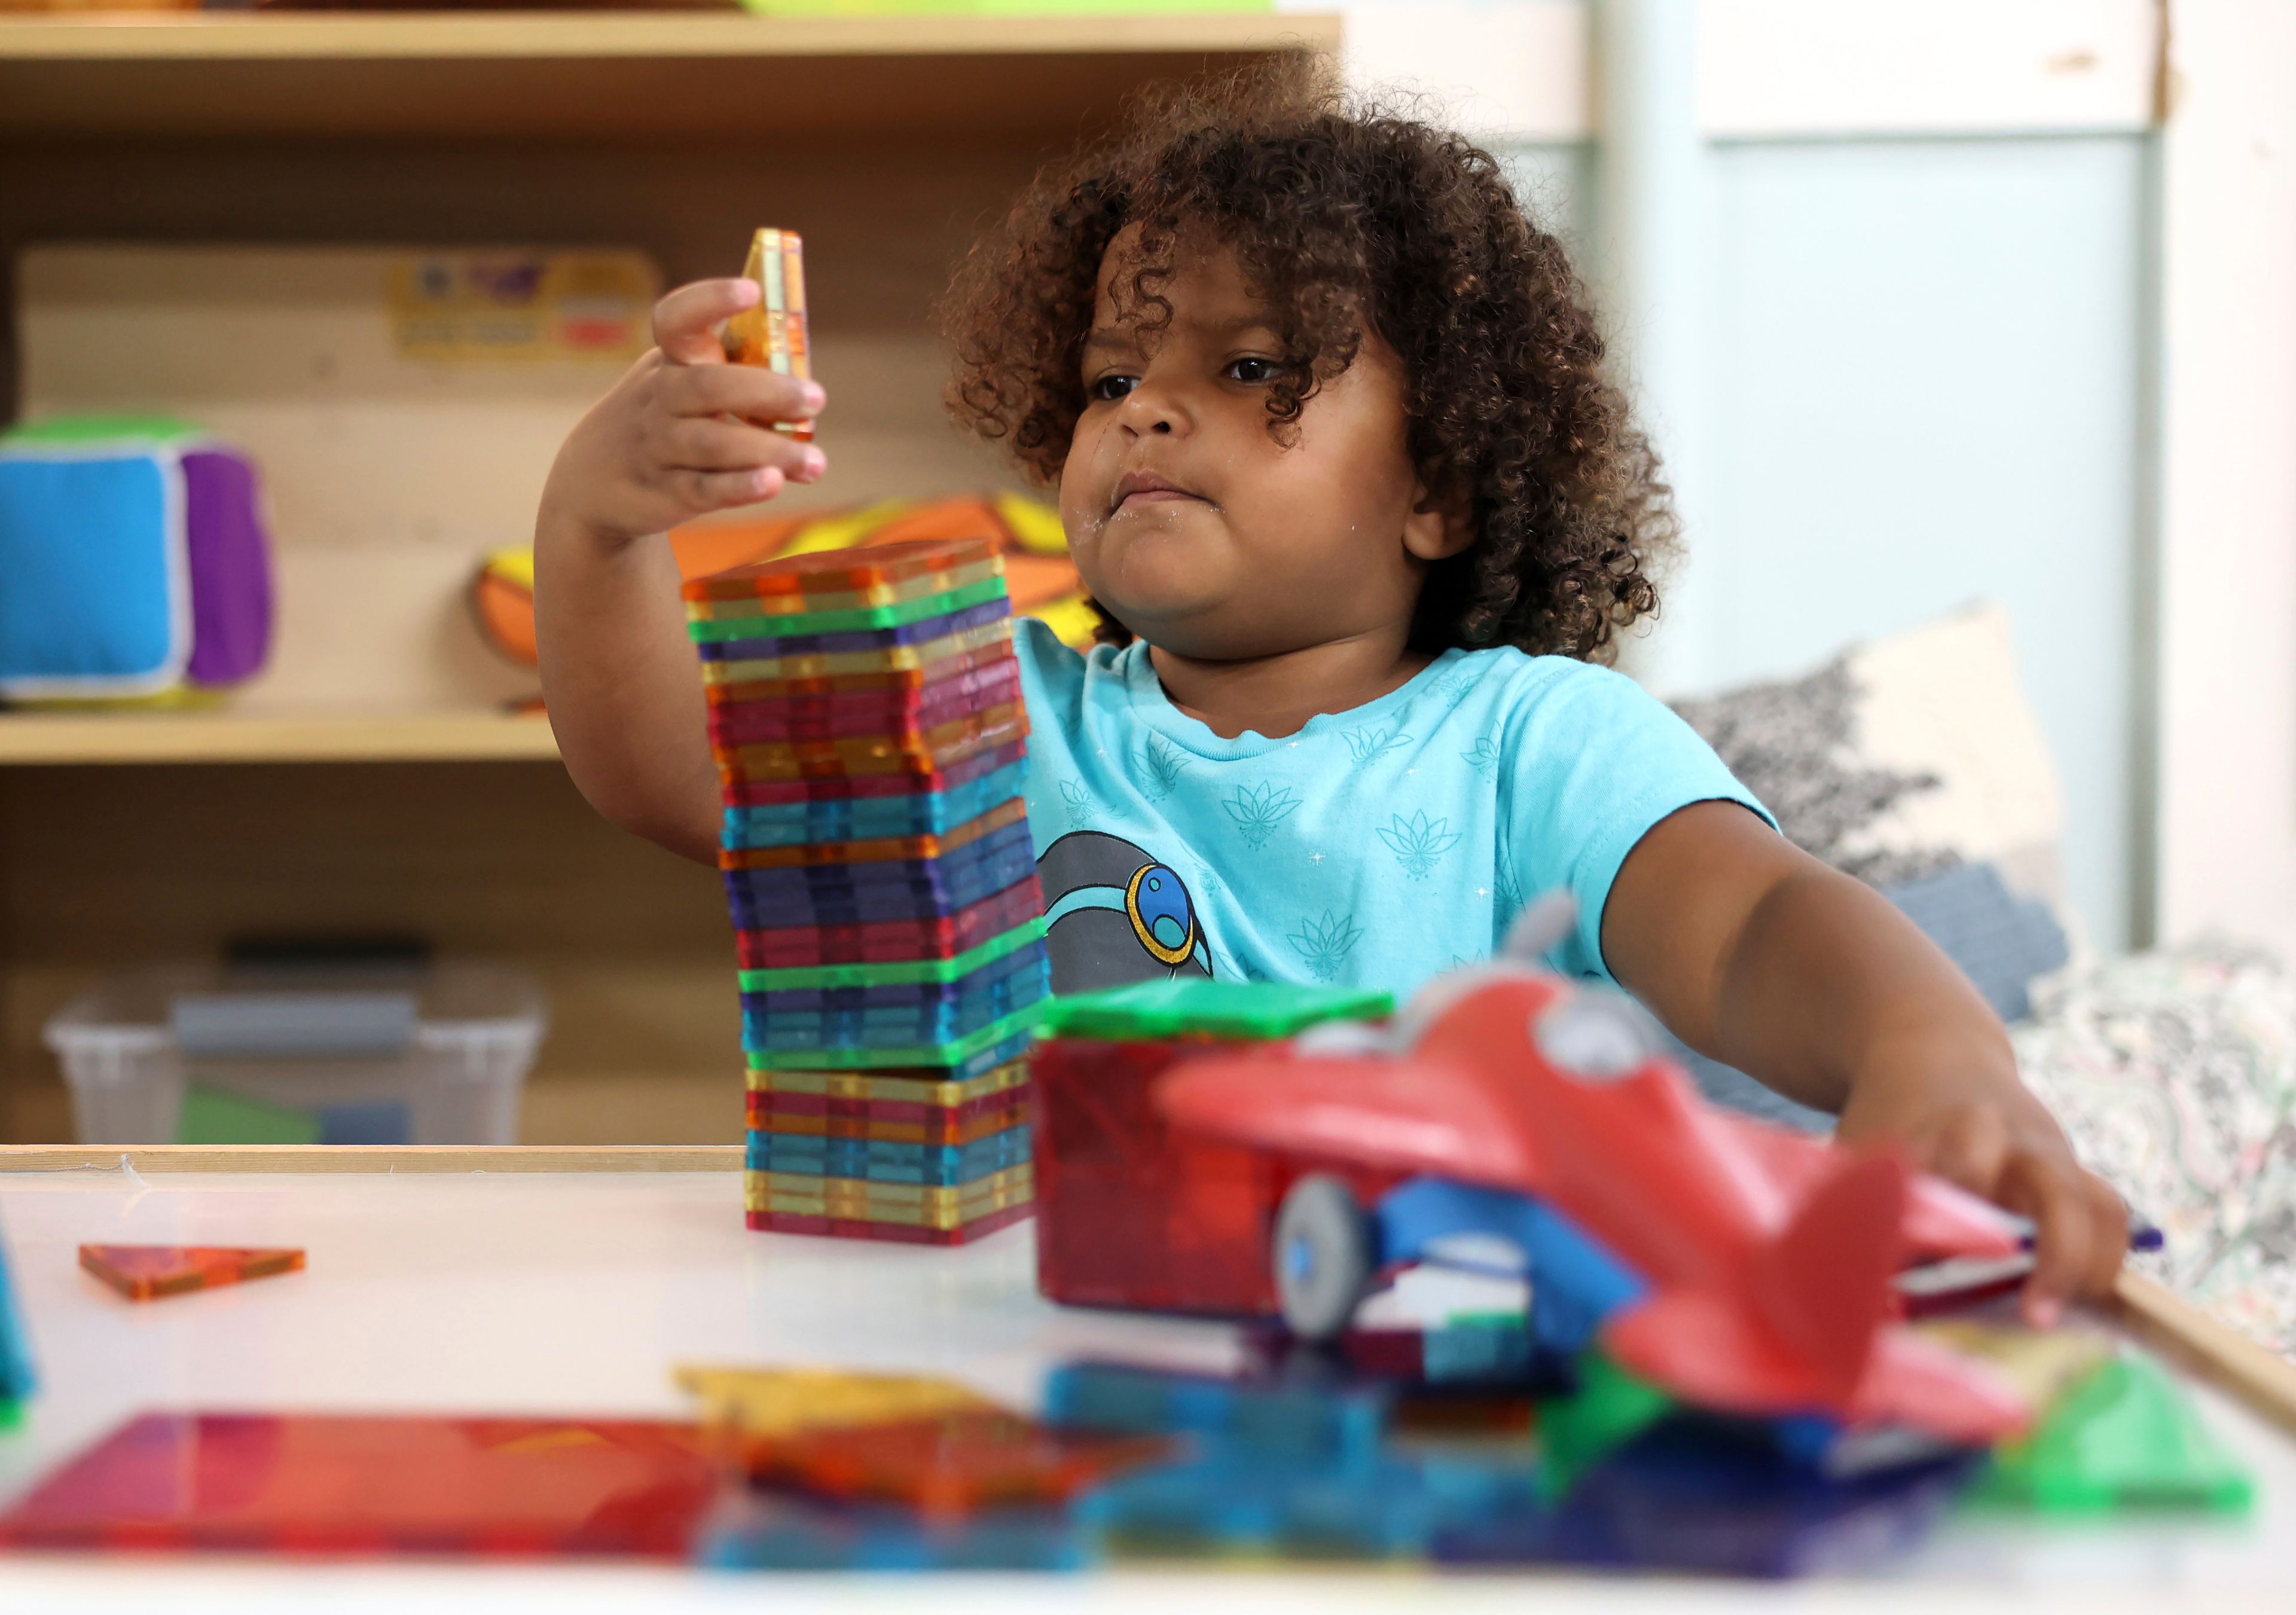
{"x":928,"y":1054}
{"x":1180,"y":1006}
{"x":789,"y":624}
{"x":2129,"y":1437}
{"x":903,"y":973}
{"x":1610,"y":1408}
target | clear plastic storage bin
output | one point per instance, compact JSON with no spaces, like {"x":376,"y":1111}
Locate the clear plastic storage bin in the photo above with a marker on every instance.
{"x":451,"y":1042}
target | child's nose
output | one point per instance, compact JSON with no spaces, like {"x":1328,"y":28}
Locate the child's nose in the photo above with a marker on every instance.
{"x":1155,"y":408}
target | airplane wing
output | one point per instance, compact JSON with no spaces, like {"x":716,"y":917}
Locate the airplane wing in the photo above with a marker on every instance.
{"x":1940,"y":1220}
{"x":1404,"y":1114}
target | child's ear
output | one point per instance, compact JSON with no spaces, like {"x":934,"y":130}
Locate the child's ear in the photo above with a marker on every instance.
{"x":1437,"y":529}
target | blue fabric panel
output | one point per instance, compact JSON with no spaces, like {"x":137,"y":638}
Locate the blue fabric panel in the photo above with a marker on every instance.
{"x":90,"y":579}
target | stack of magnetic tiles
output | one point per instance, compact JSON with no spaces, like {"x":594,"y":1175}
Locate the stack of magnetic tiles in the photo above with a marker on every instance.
{"x":865,"y":712}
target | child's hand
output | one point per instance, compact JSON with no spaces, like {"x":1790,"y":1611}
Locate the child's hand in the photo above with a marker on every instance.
{"x":679,"y":436}
{"x":2009,"y":1151}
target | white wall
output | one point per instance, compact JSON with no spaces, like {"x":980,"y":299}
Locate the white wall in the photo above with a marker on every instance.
{"x":1919,"y":340}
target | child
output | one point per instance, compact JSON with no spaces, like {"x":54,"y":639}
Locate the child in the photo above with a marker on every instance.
{"x":1339,"y":462}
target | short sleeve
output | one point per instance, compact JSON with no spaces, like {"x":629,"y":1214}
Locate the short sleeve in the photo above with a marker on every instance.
{"x":1590,"y":764}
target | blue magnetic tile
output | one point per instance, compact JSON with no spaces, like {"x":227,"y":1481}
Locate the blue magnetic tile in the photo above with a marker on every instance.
{"x":1691,"y":1496}
{"x":1310,"y":1422}
{"x":896,"y":1027}
{"x":883,"y":1161}
{"x":779,"y":1531}
{"x":888,"y":888}
{"x":869,"y":817}
{"x":860,"y":639}
{"x":1229,"y":1501}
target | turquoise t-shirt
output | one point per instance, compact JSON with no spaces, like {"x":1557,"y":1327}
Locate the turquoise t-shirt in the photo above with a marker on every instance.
{"x":1375,"y":848}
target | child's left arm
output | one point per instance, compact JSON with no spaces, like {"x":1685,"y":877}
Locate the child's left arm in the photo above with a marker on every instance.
{"x":1757,"y":954}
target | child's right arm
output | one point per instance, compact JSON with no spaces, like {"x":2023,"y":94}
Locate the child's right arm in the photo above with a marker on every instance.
{"x":676,"y":439}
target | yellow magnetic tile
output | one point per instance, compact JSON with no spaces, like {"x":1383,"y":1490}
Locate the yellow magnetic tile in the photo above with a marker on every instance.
{"x":780,"y":1401}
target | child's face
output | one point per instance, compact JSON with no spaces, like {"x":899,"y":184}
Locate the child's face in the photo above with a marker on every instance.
{"x":1197,"y":529}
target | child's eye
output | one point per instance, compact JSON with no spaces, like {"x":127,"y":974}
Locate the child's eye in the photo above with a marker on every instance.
{"x":1254,"y":372}
{"x":1108,"y":389}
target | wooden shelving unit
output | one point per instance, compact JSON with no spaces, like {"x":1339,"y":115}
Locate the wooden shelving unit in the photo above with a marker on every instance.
{"x":600,"y":74}
{"x":371,"y":781}
{"x":231,"y":736}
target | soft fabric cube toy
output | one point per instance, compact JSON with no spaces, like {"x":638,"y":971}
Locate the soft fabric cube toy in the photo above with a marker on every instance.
{"x":133,"y":563}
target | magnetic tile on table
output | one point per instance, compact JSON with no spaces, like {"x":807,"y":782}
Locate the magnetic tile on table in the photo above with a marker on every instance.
{"x":2126,"y":1437}
{"x":950,"y":1130}
{"x":1180,"y":1006}
{"x":2040,"y":1365}
{"x":948,"y":1464}
{"x":993,"y":1057}
{"x":325,"y":1483}
{"x":1016,"y":1178}
{"x":877,"y":1160}
{"x":775,"y":1402}
{"x":1322,"y":1424}
{"x":777,"y":1531}
{"x":144,"y":1273}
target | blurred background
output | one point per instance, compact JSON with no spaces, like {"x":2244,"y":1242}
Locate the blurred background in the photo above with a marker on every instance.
{"x":1967,"y":329}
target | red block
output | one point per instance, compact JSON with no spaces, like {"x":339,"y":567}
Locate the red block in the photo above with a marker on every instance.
{"x":144,"y":1273}
{"x":1129,"y":1214}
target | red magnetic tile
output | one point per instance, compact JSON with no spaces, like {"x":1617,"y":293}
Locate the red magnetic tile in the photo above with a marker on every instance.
{"x":891,"y":941}
{"x":906,"y":716}
{"x":324,"y":1483}
{"x":946,"y":1128}
{"x":144,"y":1273}
{"x":949,"y":1464}
{"x":899,"y":1234}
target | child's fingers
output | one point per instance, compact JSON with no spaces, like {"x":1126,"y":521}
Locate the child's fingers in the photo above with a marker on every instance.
{"x":2049,"y":1189}
{"x":686,"y":322}
{"x":701,"y":491}
{"x":1969,"y":1148}
{"x":740,"y":389}
{"x":2109,"y":1223}
{"x":720,"y":445}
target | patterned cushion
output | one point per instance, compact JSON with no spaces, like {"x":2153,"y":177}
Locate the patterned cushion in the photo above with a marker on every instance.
{"x":2175,"y":1073}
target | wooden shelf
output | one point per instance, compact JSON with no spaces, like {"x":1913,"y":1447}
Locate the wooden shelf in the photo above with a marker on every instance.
{"x":606,"y":74}
{"x":272,"y":737}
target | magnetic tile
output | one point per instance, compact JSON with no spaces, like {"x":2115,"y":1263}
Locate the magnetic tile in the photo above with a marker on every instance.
{"x":894,"y":659}
{"x":787,"y":602}
{"x":1326,"y":1424}
{"x":2126,"y":1437}
{"x":774,"y":333}
{"x":784,"y":1401}
{"x":884,"y":684}
{"x":910,"y":946}
{"x":845,"y":571}
{"x":144,"y":1273}
{"x":947,"y":743}
{"x":942,"y":1164}
{"x":1006,"y":1187}
{"x":943,"y":1128}
{"x":947,"y":1464}
{"x":861,"y":642}
{"x":778,"y":1531}
{"x":325,"y":1483}
{"x":903,"y":1026}
{"x":870,"y":787}
{"x":764,"y":633}
{"x":868,"y":818}
{"x":900,"y":1234}
{"x":854,"y":856}
{"x":929,"y":1087}
{"x":978,"y":1063}
{"x":929,"y":1218}
{"x":853,"y":717}
{"x":1010,"y":1028}
{"x":1180,"y":1006}
{"x":895,"y":995}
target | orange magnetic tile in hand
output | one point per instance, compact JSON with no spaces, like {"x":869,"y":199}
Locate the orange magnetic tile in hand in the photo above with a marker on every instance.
{"x":902,"y":847}
{"x":948,"y":1465}
{"x":144,"y":1273}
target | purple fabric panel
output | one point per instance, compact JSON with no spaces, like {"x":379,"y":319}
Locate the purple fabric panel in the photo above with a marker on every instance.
{"x":230,"y":565}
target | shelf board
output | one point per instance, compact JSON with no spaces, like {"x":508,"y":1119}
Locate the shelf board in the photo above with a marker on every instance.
{"x":32,"y":738}
{"x":607,"y":74}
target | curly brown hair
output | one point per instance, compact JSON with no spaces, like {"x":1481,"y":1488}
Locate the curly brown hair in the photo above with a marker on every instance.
{"x":1342,"y":213}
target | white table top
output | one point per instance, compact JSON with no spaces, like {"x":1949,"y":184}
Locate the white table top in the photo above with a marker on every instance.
{"x":576,"y":1293}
